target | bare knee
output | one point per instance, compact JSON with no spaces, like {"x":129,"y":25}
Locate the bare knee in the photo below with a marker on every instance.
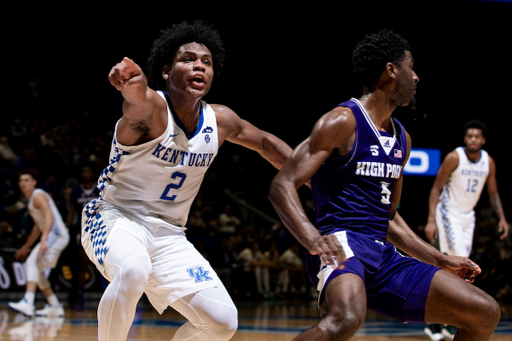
{"x":344,"y":308}
{"x":481,"y":317}
{"x":488,"y":313}
{"x":338,"y":324}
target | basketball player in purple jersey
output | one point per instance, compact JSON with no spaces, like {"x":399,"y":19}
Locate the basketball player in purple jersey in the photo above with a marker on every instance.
{"x":354,"y":157}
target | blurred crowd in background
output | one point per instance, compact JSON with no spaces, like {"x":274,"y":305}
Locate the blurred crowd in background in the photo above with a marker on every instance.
{"x":231,"y":222}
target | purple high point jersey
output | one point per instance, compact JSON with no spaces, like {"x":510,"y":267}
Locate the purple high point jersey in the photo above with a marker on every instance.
{"x":353,"y":192}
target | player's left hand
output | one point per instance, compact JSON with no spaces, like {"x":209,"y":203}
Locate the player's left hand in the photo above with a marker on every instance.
{"x":22,"y":254}
{"x":42,"y":248}
{"x":503,"y":229}
{"x":462,"y":267}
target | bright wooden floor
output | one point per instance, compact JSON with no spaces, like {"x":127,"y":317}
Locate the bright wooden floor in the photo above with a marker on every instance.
{"x":257,"y":322}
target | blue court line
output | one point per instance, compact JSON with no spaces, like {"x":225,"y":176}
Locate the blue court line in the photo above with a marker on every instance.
{"x":369,"y":328}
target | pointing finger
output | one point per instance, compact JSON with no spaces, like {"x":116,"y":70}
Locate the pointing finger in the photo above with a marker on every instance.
{"x":116,"y":75}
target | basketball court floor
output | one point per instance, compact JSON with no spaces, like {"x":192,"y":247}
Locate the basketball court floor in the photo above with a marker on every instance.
{"x":262,"y":321}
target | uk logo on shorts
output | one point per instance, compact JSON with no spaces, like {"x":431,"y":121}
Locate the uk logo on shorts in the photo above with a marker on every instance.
{"x":199,"y":274}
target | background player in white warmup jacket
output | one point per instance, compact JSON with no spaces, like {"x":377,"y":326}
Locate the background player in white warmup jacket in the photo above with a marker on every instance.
{"x":162,"y":147}
{"x":455,"y":192}
{"x":53,"y":237}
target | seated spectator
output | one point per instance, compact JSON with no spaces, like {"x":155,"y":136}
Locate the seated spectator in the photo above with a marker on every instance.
{"x":228,"y":221}
{"x":293,"y":273}
{"x":6,"y":151}
{"x":223,"y":261}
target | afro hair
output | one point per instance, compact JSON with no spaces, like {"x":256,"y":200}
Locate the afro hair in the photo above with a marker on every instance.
{"x":476,"y":124}
{"x":170,"y":40}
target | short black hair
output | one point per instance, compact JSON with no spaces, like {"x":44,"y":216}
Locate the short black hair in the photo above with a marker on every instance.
{"x":171,"y":39}
{"x":371,"y":55}
{"x":476,"y":124}
{"x":28,"y":171}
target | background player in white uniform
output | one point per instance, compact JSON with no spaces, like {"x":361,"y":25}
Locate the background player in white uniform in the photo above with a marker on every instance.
{"x":454,"y":195}
{"x":53,"y":237}
{"x":456,"y":191}
{"x":162,"y":147}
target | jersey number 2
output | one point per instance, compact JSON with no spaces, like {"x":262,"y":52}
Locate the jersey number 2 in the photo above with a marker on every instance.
{"x":165,"y":195}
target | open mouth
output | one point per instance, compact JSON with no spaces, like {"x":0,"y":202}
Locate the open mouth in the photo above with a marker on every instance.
{"x":197,"y":82}
{"x":197,"y":79}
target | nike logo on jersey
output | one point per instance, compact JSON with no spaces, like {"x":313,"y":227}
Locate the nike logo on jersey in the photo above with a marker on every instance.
{"x":172,"y":135}
{"x":207,"y":130}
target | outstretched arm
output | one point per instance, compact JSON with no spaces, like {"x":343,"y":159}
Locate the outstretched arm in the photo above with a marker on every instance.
{"x":492,"y":189}
{"x":449,"y":164}
{"x":236,"y":130}
{"x":332,"y":131}
{"x":144,"y":112}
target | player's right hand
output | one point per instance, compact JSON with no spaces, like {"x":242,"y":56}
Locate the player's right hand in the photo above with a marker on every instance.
{"x":330,"y":251}
{"x":21,"y":254}
{"x":431,"y":231}
{"x":125,"y":73}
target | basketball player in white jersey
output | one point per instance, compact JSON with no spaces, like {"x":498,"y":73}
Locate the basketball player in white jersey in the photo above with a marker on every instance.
{"x":455,"y":192}
{"x":162,"y":147}
{"x":53,"y":236}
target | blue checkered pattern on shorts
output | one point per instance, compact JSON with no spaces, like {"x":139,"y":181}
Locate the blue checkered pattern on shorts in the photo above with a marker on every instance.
{"x":96,"y":229}
{"x":53,"y":235}
{"x":450,"y":235}
{"x":95,"y":226}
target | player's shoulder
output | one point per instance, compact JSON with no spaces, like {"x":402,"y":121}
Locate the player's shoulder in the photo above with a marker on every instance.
{"x":39,"y":197}
{"x":338,"y":118}
{"x":451,"y":159}
{"x":223,"y":114}
{"x":228,"y":122}
{"x":334,"y":129}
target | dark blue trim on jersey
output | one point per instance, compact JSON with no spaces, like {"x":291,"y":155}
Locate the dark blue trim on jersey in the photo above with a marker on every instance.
{"x":180,"y":124}
{"x":467,"y":157}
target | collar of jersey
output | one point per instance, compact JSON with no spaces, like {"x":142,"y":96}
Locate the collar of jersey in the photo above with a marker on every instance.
{"x":178,"y":121}
{"x":370,"y":122}
{"x":467,"y":157}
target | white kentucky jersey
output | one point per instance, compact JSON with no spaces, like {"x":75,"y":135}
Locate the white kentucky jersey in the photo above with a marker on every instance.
{"x":161,"y":177}
{"x":58,"y":228}
{"x":465,"y":184}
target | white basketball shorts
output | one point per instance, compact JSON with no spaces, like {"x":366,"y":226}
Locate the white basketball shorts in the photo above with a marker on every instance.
{"x":178,"y":269}
{"x":455,"y":231}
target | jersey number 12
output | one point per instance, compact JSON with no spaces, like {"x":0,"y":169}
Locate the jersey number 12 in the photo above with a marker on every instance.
{"x":472,"y":185}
